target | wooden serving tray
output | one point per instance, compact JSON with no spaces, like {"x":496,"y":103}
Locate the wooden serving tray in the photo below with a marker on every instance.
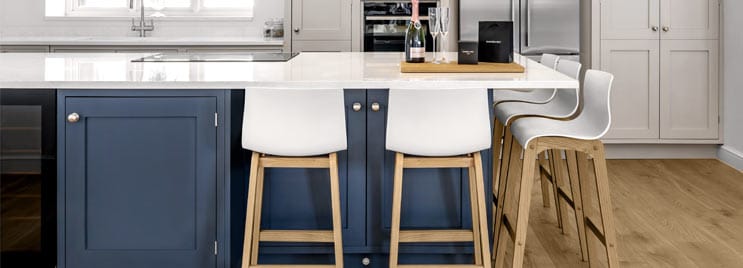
{"x":453,"y":67}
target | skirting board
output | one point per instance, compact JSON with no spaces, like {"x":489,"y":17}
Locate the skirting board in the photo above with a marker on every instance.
{"x":661,"y":151}
{"x":731,"y":157}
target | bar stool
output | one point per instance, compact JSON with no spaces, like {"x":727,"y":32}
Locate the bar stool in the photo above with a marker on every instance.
{"x":563,"y":106}
{"x":534,"y":96}
{"x":292,"y":128}
{"x":580,"y":137}
{"x":435,"y":128}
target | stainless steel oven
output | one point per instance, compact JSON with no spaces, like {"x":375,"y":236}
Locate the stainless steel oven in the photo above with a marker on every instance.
{"x":385,"y":23}
{"x":28,"y":178}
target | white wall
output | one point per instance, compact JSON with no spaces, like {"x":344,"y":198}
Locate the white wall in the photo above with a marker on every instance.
{"x":732,"y":83}
{"x":26,"y":18}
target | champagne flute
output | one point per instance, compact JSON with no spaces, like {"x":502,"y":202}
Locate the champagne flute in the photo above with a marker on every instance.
{"x":444,"y":30}
{"x":434,"y":26}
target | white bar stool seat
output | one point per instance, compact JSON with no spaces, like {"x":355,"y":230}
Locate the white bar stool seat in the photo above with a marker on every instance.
{"x":534,"y":96}
{"x":580,"y":138}
{"x":563,"y":105}
{"x":433,"y":128}
{"x":292,"y":128}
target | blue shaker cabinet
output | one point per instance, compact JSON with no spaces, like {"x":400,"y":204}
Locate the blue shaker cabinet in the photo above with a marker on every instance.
{"x":138,"y":187}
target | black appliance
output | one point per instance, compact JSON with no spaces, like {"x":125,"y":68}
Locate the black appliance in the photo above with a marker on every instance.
{"x":495,"y":41}
{"x":28,"y":180}
{"x":386,"y":21}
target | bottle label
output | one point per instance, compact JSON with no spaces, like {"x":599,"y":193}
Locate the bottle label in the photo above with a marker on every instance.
{"x":417,"y":52}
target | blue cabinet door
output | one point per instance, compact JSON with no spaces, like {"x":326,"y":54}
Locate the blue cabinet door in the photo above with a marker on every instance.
{"x":432,"y":198}
{"x":140,"y":178}
{"x":299,"y":199}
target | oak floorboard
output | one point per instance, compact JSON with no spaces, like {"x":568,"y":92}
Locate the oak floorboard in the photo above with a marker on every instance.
{"x":668,"y":213}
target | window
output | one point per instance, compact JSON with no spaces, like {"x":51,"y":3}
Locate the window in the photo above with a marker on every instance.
{"x":167,"y":8}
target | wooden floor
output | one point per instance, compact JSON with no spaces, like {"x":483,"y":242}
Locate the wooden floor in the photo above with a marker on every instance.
{"x":669,"y":213}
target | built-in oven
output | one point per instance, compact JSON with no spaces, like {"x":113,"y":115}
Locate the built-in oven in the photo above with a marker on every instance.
{"x":385,"y":23}
{"x":28,"y":178}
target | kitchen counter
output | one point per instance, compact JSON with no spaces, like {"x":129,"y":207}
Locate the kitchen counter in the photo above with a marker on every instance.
{"x":333,"y":70}
{"x":134,"y":41}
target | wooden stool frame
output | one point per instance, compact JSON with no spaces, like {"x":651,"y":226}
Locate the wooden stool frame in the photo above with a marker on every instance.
{"x":253,"y":233}
{"x":479,"y":233}
{"x":514,"y":193}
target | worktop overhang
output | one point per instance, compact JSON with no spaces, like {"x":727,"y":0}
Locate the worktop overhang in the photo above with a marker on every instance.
{"x":377,"y":70}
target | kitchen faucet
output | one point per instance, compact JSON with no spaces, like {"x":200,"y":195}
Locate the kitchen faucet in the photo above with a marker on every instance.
{"x":142,"y":27}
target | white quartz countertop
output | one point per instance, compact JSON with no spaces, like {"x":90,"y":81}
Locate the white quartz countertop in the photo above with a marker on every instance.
{"x":136,"y":41}
{"x":307,"y":70}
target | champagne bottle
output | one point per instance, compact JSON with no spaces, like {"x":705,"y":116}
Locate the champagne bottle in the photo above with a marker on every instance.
{"x":415,"y":38}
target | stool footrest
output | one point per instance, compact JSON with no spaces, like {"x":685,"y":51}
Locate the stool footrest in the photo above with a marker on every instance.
{"x":439,"y":266}
{"x":423,"y":236}
{"x":292,"y":266}
{"x":595,"y":229}
{"x":566,"y":197}
{"x":296,"y":236}
{"x":438,"y":162}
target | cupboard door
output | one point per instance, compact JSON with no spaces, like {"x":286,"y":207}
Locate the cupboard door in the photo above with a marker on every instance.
{"x":328,"y":20}
{"x":690,"y":19}
{"x":689,"y":89}
{"x":140,"y":178}
{"x":635,"y":92}
{"x":630,"y":19}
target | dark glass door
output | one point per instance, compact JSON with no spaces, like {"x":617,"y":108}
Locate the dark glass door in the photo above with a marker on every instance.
{"x":27,"y":178}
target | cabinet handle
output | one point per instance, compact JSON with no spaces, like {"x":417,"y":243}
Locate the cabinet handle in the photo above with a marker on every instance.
{"x":73,"y":118}
{"x":375,"y":107}
{"x":655,"y":28}
{"x":356,"y":106}
{"x":296,"y":30}
{"x":666,"y":28}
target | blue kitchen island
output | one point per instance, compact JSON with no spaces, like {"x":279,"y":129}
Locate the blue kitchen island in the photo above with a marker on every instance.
{"x":151,"y":172}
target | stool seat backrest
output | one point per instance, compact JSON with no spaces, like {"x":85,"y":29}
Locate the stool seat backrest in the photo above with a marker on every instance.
{"x":294,"y":122}
{"x":438,"y":122}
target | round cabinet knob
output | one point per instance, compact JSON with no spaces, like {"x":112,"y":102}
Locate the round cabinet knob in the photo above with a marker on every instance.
{"x":655,"y":28}
{"x":356,"y":106}
{"x":365,"y":261}
{"x":375,"y":107}
{"x":296,"y":30}
{"x":666,"y":28}
{"x":73,"y":118}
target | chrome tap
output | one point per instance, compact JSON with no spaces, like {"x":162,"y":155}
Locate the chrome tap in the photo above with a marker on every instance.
{"x":142,"y":27}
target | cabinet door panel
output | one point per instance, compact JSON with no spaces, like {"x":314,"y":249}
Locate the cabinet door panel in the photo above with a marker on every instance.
{"x":634,"y":96}
{"x":321,"y":20}
{"x":140,"y":182}
{"x":689,"y":89}
{"x":630,"y":19}
{"x":690,"y":19}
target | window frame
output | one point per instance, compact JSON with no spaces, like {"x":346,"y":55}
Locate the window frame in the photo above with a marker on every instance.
{"x":74,"y":9}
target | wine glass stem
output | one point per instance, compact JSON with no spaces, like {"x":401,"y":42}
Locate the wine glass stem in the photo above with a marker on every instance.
{"x":434,"y":49}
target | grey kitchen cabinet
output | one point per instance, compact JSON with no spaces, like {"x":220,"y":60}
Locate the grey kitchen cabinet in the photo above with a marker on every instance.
{"x":665,"y":58}
{"x":139,"y":175}
{"x":321,"y":25}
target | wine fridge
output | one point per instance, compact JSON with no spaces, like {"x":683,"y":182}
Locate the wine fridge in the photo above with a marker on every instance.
{"x":27,"y":178}
{"x":385,"y":23}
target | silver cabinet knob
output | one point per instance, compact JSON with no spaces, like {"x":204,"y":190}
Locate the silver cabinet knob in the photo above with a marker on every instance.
{"x":356,"y":106}
{"x":666,"y":28}
{"x":365,"y":261}
{"x":655,"y":28}
{"x":73,"y":118}
{"x":296,"y":30}
{"x":375,"y":107}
